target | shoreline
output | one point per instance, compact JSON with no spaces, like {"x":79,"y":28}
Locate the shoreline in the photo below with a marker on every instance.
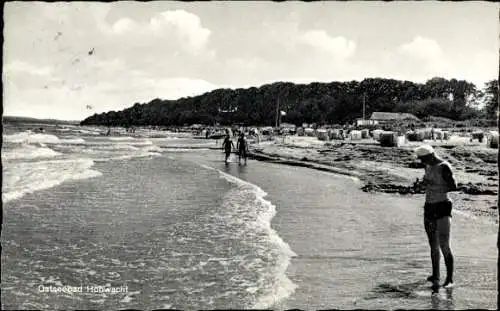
{"x":392,"y":170}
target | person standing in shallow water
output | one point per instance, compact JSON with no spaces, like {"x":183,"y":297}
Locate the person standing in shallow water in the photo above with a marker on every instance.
{"x":227,"y":145}
{"x":242,"y":147}
{"x":438,"y":181}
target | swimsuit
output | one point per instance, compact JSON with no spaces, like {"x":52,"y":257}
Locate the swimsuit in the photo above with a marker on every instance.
{"x":242,"y":148}
{"x":437,"y":210}
{"x":437,"y":203}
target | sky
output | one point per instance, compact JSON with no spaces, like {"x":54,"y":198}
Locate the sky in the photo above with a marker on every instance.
{"x":70,"y":60}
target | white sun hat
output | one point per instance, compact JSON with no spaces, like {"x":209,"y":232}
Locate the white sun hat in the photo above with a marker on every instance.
{"x":424,"y":150}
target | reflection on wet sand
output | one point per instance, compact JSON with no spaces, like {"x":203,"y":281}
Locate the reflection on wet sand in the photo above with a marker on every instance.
{"x":443,"y":300}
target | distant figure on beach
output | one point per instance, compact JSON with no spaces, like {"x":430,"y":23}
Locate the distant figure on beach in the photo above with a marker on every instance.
{"x":438,"y":181}
{"x":227,"y":145}
{"x":255,"y":134}
{"x":242,"y":147}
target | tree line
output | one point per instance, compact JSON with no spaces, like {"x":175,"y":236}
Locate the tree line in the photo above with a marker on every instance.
{"x":321,"y":103}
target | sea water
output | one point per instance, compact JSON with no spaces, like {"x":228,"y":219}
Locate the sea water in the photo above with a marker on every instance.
{"x":87,"y":211}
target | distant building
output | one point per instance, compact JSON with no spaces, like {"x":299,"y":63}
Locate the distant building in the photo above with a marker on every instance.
{"x":287,"y":125}
{"x":392,"y":117}
{"x":287,"y":128}
{"x":360,"y":122}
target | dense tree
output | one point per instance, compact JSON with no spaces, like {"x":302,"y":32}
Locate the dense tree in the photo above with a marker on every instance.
{"x":322,"y":103}
{"x":490,"y":96}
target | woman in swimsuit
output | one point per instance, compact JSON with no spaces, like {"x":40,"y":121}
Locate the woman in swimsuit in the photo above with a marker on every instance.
{"x":438,"y":181}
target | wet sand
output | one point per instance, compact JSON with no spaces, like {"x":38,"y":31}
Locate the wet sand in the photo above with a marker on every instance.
{"x":394,"y":170}
{"x":363,"y":250}
{"x":372,"y":254}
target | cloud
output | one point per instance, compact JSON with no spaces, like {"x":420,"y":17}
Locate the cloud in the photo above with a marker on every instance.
{"x":123,"y":25}
{"x":484,"y":64}
{"x":174,"y":88}
{"x":421,"y":48}
{"x":338,"y":46}
{"x":188,"y":26}
{"x":417,"y":60}
{"x":107,"y":90}
{"x":184,"y":26}
{"x":143,"y":52}
{"x":425,"y":55}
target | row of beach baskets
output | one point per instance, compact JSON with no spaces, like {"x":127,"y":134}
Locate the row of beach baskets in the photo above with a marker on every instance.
{"x":423,"y":134}
{"x":391,"y":139}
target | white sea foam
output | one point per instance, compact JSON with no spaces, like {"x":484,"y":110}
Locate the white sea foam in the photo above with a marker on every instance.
{"x":135,"y":142}
{"x":28,"y":152}
{"x":63,"y":129}
{"x":120,"y":138}
{"x":29,"y":137}
{"x":120,"y":154}
{"x":28,"y":177}
{"x":104,"y":152}
{"x":110,"y":147}
{"x":259,"y":221}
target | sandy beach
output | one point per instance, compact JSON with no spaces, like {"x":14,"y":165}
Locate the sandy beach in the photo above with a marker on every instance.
{"x":166,"y":217}
{"x":394,"y":170}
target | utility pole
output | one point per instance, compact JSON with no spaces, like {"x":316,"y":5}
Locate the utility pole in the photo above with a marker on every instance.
{"x":277,"y":110}
{"x":364,"y":104}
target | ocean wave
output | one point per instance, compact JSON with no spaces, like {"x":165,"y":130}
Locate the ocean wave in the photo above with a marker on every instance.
{"x":28,"y":177}
{"x":120,"y":138}
{"x":159,"y":136}
{"x":128,"y":156}
{"x":108,"y":147}
{"x":106,"y":152}
{"x":177,"y":149}
{"x":71,"y":141}
{"x":251,"y":213}
{"x":29,"y":137}
{"x":134,"y":142}
{"x":28,"y":152}
{"x":121,"y":148}
{"x":90,"y":132}
{"x":153,"y":149}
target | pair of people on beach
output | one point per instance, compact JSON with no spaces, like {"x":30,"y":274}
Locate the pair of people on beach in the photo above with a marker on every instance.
{"x":241,"y":146}
{"x":438,"y":181}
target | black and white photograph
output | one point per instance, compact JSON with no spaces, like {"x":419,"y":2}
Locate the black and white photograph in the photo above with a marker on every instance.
{"x":202,"y":155}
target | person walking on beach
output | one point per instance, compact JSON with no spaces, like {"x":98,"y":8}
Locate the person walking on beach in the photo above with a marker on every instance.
{"x":227,"y":145}
{"x":438,"y":181}
{"x":242,"y":147}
